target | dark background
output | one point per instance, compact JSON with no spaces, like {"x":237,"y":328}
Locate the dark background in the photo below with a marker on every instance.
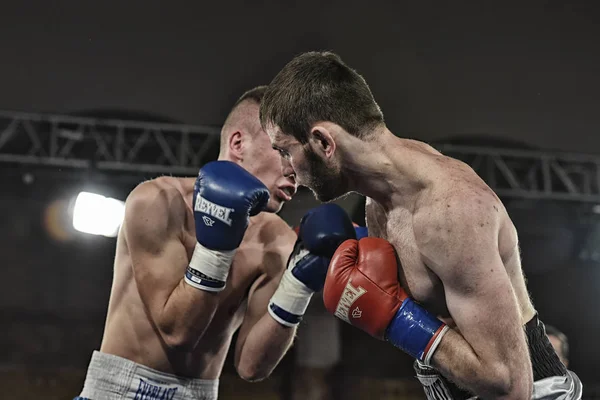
{"x":527,"y":72}
{"x":524,"y":76}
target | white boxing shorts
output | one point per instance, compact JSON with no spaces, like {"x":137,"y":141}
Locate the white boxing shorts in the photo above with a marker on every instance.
{"x":110,"y":378}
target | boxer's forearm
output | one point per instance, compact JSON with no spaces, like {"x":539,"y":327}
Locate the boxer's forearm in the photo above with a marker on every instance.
{"x":187,"y":314}
{"x":457,"y":361}
{"x":264,"y":347}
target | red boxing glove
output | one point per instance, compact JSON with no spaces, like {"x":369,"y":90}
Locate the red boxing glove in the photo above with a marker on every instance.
{"x":362,"y":289}
{"x":362,"y":286}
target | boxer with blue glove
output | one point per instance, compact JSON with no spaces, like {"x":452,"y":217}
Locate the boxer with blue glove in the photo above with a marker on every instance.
{"x":225,"y":197}
{"x":197,"y":260}
{"x":321,"y":231}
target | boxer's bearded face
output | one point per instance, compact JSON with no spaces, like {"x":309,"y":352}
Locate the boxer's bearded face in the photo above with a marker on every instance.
{"x":325,"y":181}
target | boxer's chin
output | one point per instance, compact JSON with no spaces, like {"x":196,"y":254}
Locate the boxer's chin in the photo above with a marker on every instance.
{"x":274,"y":205}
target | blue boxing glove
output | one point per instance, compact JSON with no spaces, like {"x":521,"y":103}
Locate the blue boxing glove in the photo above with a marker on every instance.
{"x":361,"y":232}
{"x":225,"y":197}
{"x":321,"y":231}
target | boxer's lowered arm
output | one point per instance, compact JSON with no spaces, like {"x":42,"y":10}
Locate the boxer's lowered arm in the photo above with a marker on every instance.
{"x":154,"y":221}
{"x":487,"y":353}
{"x":262,"y":342}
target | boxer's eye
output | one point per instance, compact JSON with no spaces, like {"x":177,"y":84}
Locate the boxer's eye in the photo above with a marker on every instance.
{"x":282,"y":152}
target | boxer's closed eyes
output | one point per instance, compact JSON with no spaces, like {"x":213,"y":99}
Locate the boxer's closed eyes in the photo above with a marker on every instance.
{"x":282,"y":152}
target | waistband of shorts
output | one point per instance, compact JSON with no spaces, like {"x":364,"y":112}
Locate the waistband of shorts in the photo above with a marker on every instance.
{"x":544,"y":360}
{"x":108,"y":373}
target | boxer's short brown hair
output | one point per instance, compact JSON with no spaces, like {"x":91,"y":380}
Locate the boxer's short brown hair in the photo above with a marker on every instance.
{"x":319,"y":86}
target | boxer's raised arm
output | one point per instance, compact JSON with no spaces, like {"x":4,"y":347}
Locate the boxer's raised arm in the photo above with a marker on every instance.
{"x":321,"y":231}
{"x":153,"y":227}
{"x":489,"y":356}
{"x":262,"y":342}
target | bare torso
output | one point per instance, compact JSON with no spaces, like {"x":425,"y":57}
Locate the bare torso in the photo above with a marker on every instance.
{"x":130,"y":333}
{"x":396,"y":224}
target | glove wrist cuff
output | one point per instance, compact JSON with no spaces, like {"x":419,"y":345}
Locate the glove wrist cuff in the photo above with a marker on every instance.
{"x":415,"y":331}
{"x":290,"y":300}
{"x":208,"y":269}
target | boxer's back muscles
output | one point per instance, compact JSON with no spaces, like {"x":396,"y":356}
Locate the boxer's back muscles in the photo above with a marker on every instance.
{"x":150,"y":316}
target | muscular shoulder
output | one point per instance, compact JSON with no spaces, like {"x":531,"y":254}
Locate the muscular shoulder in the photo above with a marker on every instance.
{"x":154,"y":209}
{"x":451,"y":226}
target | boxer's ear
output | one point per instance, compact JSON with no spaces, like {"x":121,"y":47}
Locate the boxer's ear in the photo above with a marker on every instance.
{"x":322,"y":139}
{"x":236,"y":146}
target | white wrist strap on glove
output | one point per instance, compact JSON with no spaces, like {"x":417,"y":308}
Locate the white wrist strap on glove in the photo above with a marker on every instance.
{"x":208,"y":269}
{"x":434,"y":346}
{"x":292,"y":296}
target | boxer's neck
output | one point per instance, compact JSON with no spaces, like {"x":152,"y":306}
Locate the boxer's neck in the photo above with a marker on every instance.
{"x":386,"y":169}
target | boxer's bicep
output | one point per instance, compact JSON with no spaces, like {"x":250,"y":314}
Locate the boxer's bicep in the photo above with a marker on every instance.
{"x":157,"y":275}
{"x":483,"y":305}
{"x":479,"y":295}
{"x":158,"y":256}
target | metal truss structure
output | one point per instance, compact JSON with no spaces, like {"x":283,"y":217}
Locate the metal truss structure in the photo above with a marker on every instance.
{"x":144,"y":147}
{"x":104,"y":144}
{"x":533,"y":174}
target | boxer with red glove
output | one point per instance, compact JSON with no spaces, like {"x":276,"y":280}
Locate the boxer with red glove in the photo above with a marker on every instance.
{"x":362,"y":289}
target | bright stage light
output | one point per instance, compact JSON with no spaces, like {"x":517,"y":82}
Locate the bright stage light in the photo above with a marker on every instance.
{"x":98,"y":215}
